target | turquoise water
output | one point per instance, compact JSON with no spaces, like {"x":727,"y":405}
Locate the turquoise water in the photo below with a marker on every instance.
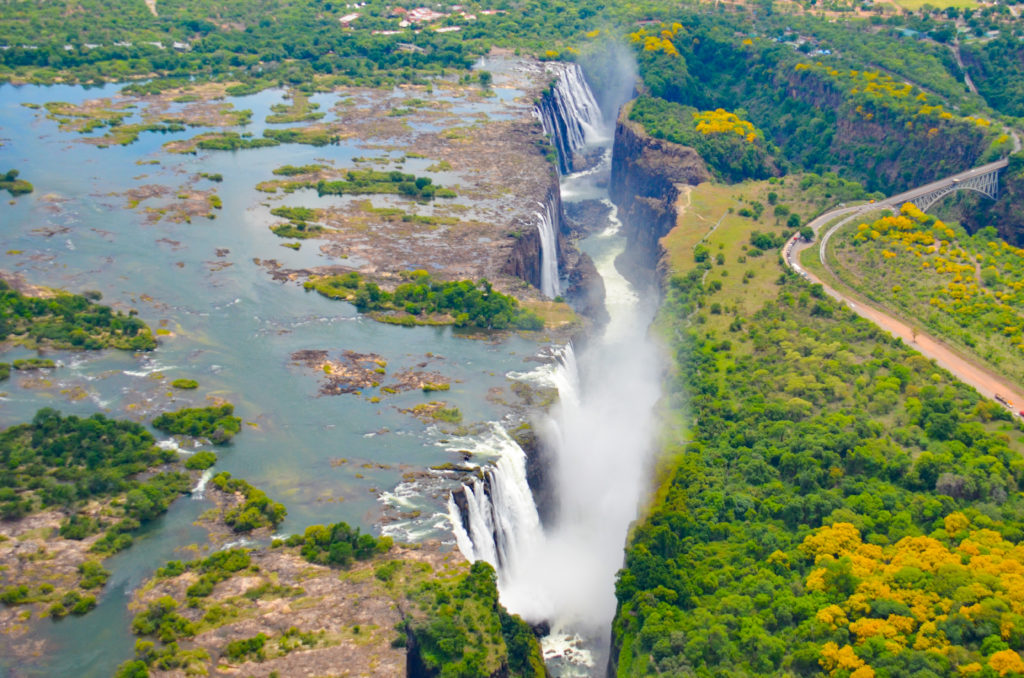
{"x":234,"y":330}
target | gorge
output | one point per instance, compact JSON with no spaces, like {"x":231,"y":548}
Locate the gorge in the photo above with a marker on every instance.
{"x":596,"y":441}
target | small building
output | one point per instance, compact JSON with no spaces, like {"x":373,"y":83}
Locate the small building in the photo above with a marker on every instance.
{"x":424,"y":15}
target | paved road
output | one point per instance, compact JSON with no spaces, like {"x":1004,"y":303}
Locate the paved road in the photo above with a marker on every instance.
{"x":986,"y":381}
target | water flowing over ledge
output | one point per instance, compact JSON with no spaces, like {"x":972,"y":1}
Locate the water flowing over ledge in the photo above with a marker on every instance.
{"x":597,"y":438}
{"x":550,"y":285}
{"x":570,"y":115}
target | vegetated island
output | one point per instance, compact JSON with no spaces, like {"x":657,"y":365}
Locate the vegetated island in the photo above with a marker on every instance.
{"x":301,"y":109}
{"x":10,"y":182}
{"x":72,"y":492}
{"x":235,"y":141}
{"x":62,"y":320}
{"x":216,"y":423}
{"x":325,"y":598}
{"x":425,"y":301}
{"x":109,"y":114}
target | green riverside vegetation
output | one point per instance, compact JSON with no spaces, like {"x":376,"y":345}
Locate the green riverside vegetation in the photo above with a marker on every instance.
{"x":422,"y":300}
{"x":69,"y":321}
{"x":820,"y":500}
{"x":461,"y":629}
{"x":217,"y":423}
{"x":58,"y":462}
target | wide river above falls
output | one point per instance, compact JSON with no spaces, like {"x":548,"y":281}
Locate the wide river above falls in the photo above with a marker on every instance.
{"x":232,"y":328}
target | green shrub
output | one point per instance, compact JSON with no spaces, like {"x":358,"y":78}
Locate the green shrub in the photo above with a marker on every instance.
{"x":240,"y":650}
{"x":94,"y":575}
{"x":200,"y":461}
{"x":256,"y":511}
{"x":337,"y":544}
{"x":216,"y":423}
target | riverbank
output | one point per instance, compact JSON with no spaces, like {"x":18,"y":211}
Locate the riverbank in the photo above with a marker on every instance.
{"x":120,"y":225}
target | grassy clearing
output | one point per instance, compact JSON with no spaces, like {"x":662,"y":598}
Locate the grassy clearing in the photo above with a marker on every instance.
{"x":745,"y":277}
{"x":914,"y":5}
{"x":555,"y":314}
{"x":712,"y":226}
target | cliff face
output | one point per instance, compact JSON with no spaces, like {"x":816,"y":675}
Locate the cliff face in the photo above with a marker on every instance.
{"x":886,"y":150}
{"x":646,"y":173}
{"x":524,"y":259}
{"x":1006,"y":213}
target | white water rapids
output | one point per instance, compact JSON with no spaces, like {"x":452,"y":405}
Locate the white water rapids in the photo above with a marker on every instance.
{"x":600,"y":440}
{"x":600,"y":433}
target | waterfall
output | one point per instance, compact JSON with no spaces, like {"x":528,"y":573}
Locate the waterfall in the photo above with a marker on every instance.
{"x":578,"y":107}
{"x":599,"y":439}
{"x":572,"y":120}
{"x":495,"y":518}
{"x":570,"y":115}
{"x":546,"y":224}
{"x":598,"y":435}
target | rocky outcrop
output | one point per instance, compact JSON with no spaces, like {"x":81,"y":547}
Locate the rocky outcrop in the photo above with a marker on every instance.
{"x":646,"y":176}
{"x":538,"y":464}
{"x":524,"y":257}
{"x":585,"y":288}
{"x":884,"y":148}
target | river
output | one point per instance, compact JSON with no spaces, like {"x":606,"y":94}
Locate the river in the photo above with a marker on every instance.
{"x":598,"y":442}
{"x":227,"y":323}
{"x":233,"y":328}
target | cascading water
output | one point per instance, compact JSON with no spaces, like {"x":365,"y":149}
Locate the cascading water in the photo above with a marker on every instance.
{"x":572,"y":120}
{"x":599,"y":436}
{"x":570,"y":115}
{"x":546,"y":224}
{"x":495,"y":518}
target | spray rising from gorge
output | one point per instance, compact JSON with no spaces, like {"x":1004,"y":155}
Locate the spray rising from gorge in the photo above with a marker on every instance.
{"x":597,"y":438}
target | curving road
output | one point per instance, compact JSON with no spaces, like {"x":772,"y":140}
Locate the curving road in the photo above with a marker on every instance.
{"x":987,"y":382}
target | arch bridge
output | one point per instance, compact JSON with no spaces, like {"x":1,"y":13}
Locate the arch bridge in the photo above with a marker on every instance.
{"x":984,"y":180}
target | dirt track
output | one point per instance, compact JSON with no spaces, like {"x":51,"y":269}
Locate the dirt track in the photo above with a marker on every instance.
{"x":982,"y":379}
